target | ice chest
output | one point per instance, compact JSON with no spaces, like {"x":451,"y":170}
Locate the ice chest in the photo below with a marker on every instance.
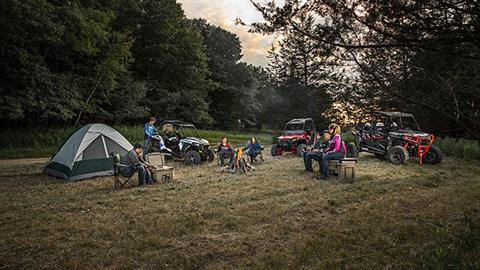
{"x":162,"y":172}
{"x":156,"y":159}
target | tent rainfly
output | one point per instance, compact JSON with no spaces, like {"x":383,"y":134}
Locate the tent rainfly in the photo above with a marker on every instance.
{"x":86,"y":153}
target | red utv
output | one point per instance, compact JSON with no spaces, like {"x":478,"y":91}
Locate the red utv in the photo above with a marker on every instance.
{"x":298,"y":133}
{"x":396,"y":136}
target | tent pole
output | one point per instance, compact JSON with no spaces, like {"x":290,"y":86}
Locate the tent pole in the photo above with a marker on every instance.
{"x":104,"y":146}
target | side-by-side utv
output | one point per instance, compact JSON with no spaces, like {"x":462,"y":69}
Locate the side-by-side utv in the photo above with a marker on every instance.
{"x":395,"y":135}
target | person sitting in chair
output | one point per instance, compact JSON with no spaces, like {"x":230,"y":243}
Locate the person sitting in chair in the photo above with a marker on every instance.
{"x":225,"y":151}
{"x":134,"y":162}
{"x":317,"y":152}
{"x":253,"y":149}
{"x":336,"y":150}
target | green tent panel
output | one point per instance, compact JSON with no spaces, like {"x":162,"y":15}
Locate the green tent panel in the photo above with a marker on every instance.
{"x":87,"y":153}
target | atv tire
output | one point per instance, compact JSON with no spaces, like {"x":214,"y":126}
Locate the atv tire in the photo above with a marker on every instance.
{"x":300,"y":149}
{"x":210,"y":156}
{"x":352,"y":150}
{"x":192,"y":157}
{"x":433,"y":156}
{"x":397,"y":155}
{"x":274,"y":150}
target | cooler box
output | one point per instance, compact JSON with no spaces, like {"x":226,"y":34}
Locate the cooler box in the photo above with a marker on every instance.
{"x":162,"y":172}
{"x":156,"y":159}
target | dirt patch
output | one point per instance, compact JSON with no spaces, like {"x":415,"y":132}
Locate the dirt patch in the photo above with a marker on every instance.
{"x":23,"y":161}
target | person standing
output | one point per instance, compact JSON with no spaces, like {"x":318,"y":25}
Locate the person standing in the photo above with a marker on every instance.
{"x":148,"y":131}
{"x":336,"y":150}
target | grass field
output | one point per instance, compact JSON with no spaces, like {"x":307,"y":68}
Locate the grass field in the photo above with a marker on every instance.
{"x":277,"y":217}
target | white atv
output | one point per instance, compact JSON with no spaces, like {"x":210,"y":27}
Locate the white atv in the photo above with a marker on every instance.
{"x":181,"y":140}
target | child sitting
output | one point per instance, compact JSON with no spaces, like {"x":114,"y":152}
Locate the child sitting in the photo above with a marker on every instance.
{"x":225,"y":151}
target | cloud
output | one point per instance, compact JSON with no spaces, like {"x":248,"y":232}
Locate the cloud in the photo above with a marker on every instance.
{"x":223,"y":13}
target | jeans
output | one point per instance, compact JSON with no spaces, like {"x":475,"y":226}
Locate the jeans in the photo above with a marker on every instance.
{"x":307,"y":159}
{"x":252,"y":154}
{"x":328,"y":157}
{"x":144,"y":176}
{"x":146,"y":147}
{"x":226,"y":153}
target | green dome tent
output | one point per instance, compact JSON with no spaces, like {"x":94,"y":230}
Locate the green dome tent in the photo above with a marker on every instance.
{"x":86,"y":153}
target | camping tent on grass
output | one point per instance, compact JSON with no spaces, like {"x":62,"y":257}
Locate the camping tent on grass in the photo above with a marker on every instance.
{"x":87,"y":152}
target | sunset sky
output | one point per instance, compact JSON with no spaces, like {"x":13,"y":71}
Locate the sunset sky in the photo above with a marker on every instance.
{"x":223,"y":13}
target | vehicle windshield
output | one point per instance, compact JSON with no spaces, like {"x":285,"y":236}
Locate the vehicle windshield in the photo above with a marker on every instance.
{"x":296,"y":128}
{"x":190,"y":131}
{"x":406,"y":123}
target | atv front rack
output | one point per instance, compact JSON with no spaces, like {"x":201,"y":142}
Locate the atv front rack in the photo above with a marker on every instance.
{"x":422,"y":144}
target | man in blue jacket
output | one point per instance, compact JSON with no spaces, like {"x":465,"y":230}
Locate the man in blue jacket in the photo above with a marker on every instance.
{"x":148,"y":131}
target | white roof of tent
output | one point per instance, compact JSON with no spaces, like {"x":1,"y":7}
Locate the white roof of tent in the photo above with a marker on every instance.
{"x":73,"y":148}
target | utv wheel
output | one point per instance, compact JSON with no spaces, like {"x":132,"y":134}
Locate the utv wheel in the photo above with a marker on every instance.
{"x":300,"y":149}
{"x":433,"y":156}
{"x":397,"y":155}
{"x":210,"y":156}
{"x":192,"y":158}
{"x":274,"y":150}
{"x":352,"y":150}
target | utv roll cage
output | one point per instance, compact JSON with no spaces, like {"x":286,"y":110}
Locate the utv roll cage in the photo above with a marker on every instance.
{"x":304,"y":123}
{"x":181,"y":125}
{"x":398,"y":115}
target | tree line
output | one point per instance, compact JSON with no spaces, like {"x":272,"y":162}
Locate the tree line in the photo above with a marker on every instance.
{"x":415,"y":56}
{"x":119,"y":61}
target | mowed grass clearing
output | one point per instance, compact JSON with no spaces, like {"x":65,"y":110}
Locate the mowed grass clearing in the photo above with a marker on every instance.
{"x":278,"y":217}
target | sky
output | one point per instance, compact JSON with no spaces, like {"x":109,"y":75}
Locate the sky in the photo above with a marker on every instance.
{"x":223,"y":13}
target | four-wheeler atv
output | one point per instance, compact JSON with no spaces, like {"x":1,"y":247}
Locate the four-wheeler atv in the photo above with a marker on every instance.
{"x":395,"y":135}
{"x":184,"y":141}
{"x":298,"y":133}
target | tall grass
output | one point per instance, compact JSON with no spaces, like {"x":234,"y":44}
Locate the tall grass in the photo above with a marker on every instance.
{"x":348,"y":137}
{"x":25,"y":143}
{"x":29,"y":143}
{"x":135,"y":134}
{"x":467,"y":149}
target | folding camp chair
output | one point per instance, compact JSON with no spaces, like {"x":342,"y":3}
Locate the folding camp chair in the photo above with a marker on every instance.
{"x":259,"y":157}
{"x":121,"y":180}
{"x":218,"y":153}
